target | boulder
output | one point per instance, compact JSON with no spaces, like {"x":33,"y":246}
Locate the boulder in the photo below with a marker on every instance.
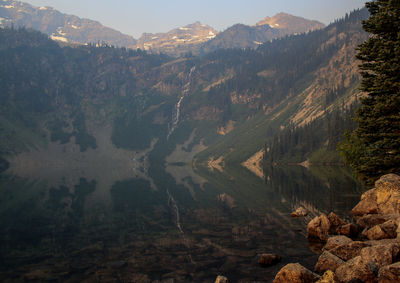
{"x":349,"y":230}
{"x":381,"y":254}
{"x":370,"y":220}
{"x":221,"y":279}
{"x":318,"y":228}
{"x":336,"y":241}
{"x":389,"y":273}
{"x":367,"y":205}
{"x":295,"y":273}
{"x":387,"y":230}
{"x":388,"y":181}
{"x":268,"y":259}
{"x":356,"y":270}
{"x":336,"y":222}
{"x":299,"y":212}
{"x":327,"y":261}
{"x":349,"y":251}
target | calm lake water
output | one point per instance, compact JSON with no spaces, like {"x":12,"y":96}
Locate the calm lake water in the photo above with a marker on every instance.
{"x":187,"y":225}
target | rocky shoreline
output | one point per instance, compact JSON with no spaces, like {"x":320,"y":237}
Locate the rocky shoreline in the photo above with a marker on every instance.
{"x":364,"y":251}
{"x":367,"y":250}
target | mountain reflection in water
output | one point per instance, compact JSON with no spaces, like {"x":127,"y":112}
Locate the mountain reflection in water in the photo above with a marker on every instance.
{"x":49,"y":232}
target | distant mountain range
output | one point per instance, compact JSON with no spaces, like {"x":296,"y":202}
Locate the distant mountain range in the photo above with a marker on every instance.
{"x":59,"y":26}
{"x":194,"y":38}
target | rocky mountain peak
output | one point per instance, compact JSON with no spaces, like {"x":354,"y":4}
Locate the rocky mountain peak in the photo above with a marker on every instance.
{"x":292,"y":24}
{"x":179,"y":40}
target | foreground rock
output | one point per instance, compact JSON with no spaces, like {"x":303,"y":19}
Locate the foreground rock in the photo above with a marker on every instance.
{"x":368,"y":251}
{"x":295,"y":272}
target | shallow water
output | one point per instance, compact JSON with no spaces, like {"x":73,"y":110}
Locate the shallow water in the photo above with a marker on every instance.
{"x":175,"y":228}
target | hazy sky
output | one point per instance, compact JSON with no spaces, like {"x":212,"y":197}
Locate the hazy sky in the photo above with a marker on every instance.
{"x":137,"y":16}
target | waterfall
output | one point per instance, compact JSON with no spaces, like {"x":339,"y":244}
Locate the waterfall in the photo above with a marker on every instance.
{"x":175,"y":116}
{"x":172,"y":204}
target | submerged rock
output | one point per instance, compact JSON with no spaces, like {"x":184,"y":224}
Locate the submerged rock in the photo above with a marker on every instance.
{"x":299,"y":212}
{"x":227,"y":200}
{"x":268,"y":259}
{"x":295,"y":273}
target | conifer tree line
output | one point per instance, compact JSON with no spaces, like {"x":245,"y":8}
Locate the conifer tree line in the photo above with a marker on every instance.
{"x":373,"y":148}
{"x":296,"y":144}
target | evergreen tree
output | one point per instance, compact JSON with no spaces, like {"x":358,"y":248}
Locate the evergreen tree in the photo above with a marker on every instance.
{"x":373,"y":148}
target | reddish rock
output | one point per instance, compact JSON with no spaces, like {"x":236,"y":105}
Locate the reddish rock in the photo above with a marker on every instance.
{"x":327,"y":261}
{"x":268,"y":259}
{"x":349,"y":251}
{"x":387,"y":230}
{"x":381,"y":254}
{"x":356,"y":270}
{"x":336,"y":241}
{"x":295,"y":273}
{"x":336,"y":222}
{"x":318,"y":228}
{"x":367,"y":205}
{"x":370,"y":220}
{"x":389,"y":273}
{"x":349,"y":230}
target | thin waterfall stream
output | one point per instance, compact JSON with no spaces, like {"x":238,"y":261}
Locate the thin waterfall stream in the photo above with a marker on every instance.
{"x":176,"y":114}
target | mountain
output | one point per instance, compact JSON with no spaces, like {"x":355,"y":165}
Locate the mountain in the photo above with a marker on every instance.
{"x":194,"y":38}
{"x":290,"y":24}
{"x":224,"y":106}
{"x":59,"y":26}
{"x":243,"y":36}
{"x":177,"y":41}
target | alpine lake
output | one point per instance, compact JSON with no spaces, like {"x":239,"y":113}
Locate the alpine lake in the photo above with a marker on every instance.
{"x":114,"y":215}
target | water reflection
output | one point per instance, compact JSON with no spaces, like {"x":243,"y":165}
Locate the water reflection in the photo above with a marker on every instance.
{"x":47,"y":232}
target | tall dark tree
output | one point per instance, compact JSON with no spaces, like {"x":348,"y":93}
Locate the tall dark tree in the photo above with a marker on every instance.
{"x":373,"y":148}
